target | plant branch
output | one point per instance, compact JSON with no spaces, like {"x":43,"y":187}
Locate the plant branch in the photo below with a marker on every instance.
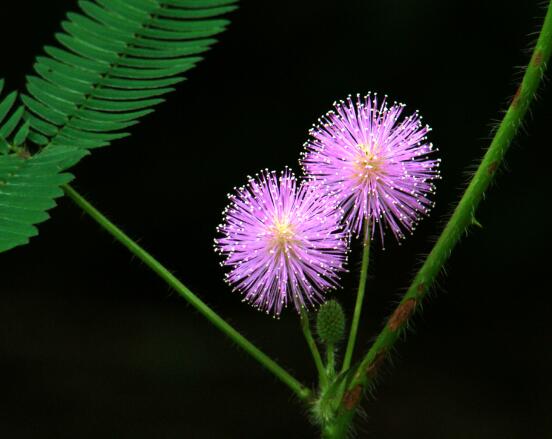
{"x":301,"y":391}
{"x":459,"y":222}
{"x":305,"y":326}
{"x":359,"y":299}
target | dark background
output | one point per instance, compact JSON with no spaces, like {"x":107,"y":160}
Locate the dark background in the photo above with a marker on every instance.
{"x":93,"y":345}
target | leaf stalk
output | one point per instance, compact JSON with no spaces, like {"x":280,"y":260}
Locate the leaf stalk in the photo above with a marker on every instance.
{"x":299,"y":389}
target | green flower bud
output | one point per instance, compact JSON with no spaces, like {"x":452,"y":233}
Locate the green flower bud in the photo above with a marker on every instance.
{"x":330,"y":322}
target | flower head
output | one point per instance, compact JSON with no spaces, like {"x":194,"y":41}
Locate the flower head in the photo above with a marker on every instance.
{"x":283,"y":242}
{"x":375,"y":162}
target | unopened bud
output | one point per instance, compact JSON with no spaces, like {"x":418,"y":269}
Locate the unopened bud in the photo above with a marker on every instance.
{"x":330,"y":322}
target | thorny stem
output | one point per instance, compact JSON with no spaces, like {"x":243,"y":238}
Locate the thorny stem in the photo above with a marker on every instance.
{"x":459,"y":222}
{"x":359,"y":299}
{"x":301,"y":391}
{"x":305,"y":326}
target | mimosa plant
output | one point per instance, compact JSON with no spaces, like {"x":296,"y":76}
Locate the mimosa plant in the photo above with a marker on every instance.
{"x":369,"y":173}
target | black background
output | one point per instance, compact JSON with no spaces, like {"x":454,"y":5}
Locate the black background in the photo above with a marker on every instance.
{"x":92,"y":344}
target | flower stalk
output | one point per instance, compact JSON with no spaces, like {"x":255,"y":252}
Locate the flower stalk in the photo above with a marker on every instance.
{"x":359,"y":299}
{"x":305,"y":326}
{"x":330,"y":360}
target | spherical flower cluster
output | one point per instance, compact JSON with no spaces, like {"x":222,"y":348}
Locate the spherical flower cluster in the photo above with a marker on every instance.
{"x":287,"y":241}
{"x":283,"y":241}
{"x":377,"y":163}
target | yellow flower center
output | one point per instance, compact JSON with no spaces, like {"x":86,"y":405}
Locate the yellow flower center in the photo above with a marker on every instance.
{"x":368,"y":163}
{"x":283,"y":234}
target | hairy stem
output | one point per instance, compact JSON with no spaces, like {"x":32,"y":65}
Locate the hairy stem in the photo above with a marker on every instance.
{"x":301,"y":391}
{"x":459,"y":222}
{"x":305,"y":326}
{"x":359,"y":299}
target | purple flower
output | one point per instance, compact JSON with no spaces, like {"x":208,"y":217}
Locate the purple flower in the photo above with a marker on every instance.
{"x":377,"y":163}
{"x":283,"y":242}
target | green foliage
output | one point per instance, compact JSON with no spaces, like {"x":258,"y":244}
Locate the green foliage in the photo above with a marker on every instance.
{"x":117,"y":58}
{"x":28,"y":187}
{"x":10,"y":121}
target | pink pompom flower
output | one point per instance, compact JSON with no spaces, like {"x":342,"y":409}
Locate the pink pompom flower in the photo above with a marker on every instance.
{"x":376,"y":162}
{"x":283,"y":242}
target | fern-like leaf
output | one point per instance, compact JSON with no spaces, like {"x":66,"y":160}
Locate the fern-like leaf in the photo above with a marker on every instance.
{"x":28,"y":184}
{"x":28,"y":187}
{"x":118,"y":58}
{"x":10,"y":121}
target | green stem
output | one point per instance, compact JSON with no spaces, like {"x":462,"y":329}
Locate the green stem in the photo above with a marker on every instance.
{"x":301,"y":391}
{"x":460,"y":221}
{"x":305,"y":326}
{"x":359,"y":299}
{"x":330,"y":360}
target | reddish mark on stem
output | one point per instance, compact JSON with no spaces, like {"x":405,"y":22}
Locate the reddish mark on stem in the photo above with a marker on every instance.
{"x":492,"y":168}
{"x":352,"y":397}
{"x":515,"y":99}
{"x":537,"y":59}
{"x":373,"y":368}
{"x":402,"y":314}
{"x":420,"y":288}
